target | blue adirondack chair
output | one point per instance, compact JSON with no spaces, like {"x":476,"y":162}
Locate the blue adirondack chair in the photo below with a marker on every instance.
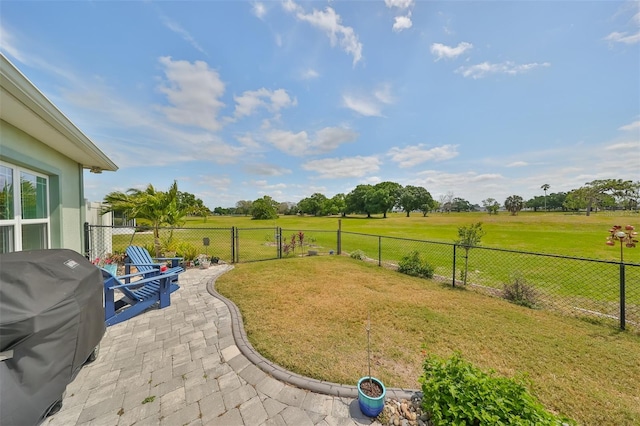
{"x":142,"y":260}
{"x":137,"y":296}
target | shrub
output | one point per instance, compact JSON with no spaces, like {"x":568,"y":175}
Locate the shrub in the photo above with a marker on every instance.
{"x":151,"y":248}
{"x":187,"y":251}
{"x":456,"y":392}
{"x":358,"y":254}
{"x":520,"y":293}
{"x":412,"y":264}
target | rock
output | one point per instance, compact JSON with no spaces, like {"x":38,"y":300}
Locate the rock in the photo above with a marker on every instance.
{"x":424,"y":417}
{"x":404,"y":409}
{"x":412,"y":416}
{"x":396,"y":420}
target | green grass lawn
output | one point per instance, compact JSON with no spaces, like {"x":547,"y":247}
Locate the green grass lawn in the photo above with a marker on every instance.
{"x":308,"y":314}
{"x":554,"y":233}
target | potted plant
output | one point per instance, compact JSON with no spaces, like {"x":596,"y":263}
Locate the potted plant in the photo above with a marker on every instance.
{"x":204,"y":261}
{"x":371,"y":391}
{"x":108,"y":263}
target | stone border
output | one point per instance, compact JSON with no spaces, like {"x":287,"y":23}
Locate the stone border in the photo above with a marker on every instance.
{"x":318,"y":386}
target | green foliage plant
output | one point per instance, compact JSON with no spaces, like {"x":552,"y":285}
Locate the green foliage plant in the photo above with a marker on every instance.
{"x":358,"y":255}
{"x":521,"y":293}
{"x":413,"y":264}
{"x":455,"y":392}
{"x":187,"y":251}
{"x":157,"y":207}
{"x":469,"y":237}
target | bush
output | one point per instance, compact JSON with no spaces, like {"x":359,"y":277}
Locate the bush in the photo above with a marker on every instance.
{"x":521,"y":293}
{"x":456,"y":392}
{"x":412,"y":264}
{"x":187,"y":251}
{"x":358,"y":255}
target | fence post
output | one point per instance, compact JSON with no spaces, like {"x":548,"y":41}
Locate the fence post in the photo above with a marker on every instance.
{"x":379,"y":250}
{"x":339,"y":247}
{"x":86,"y":240}
{"x":279,"y":243}
{"x":453,"y":282}
{"x":622,"y":297}
{"x":233,"y":244}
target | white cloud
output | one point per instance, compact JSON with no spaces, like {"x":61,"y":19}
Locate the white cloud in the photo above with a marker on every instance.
{"x":402,"y":23}
{"x":627,"y":37}
{"x":417,"y":154}
{"x":259,"y":10}
{"x":267,"y":169}
{"x":176,"y":28}
{"x":383,"y":94}
{"x":330,"y":138}
{"x":7,"y":44}
{"x":439,"y":181}
{"x":369,"y":106}
{"x":509,"y":68}
{"x":628,"y":146}
{"x":518,"y":164}
{"x":617,"y":37}
{"x":331,"y":23}
{"x":211,"y":181}
{"x":632,"y":126}
{"x":440,"y":50}
{"x":366,"y":107}
{"x":400,"y":4}
{"x":338,"y":168}
{"x":309,"y":74}
{"x":300,"y":144}
{"x":247,"y":140}
{"x":273,"y":101}
{"x":194,"y":91}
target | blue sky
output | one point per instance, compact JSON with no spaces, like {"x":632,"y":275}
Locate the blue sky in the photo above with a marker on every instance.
{"x":237,"y":99}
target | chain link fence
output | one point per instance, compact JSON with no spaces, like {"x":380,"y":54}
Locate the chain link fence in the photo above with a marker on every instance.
{"x":187,"y":243}
{"x":599,"y":290}
{"x":596,"y":289}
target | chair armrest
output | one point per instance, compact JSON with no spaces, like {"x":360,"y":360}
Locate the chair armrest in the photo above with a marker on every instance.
{"x":168,"y":258}
{"x":144,"y":264}
{"x":142,"y":281}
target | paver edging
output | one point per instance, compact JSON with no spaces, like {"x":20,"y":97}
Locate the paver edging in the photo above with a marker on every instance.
{"x":282,"y":374}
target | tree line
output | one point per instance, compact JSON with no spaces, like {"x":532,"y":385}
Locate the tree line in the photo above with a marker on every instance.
{"x":385,"y":197}
{"x":172,"y":206}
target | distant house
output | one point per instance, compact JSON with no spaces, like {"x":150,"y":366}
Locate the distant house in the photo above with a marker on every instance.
{"x":42,"y":159}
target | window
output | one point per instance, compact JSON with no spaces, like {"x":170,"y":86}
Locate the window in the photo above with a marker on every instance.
{"x":24,"y":209}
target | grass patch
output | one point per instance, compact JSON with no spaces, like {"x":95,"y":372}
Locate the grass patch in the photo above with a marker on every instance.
{"x":309,"y":314}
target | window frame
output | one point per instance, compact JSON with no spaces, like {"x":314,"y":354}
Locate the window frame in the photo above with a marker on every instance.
{"x":17,"y":221}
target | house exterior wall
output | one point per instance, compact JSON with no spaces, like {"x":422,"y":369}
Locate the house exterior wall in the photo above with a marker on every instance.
{"x":66,"y":185}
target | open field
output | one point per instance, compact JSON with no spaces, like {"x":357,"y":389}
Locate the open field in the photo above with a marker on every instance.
{"x":308,"y":314}
{"x":554,"y":233}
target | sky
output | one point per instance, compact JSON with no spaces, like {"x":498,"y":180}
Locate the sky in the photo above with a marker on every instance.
{"x":236,"y":100}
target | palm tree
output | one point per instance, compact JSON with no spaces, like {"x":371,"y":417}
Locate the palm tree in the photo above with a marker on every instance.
{"x":514,"y":204}
{"x":157,"y":207}
{"x":545,"y":188}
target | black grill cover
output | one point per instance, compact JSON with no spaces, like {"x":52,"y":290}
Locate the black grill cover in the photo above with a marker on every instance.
{"x":52,"y":317}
